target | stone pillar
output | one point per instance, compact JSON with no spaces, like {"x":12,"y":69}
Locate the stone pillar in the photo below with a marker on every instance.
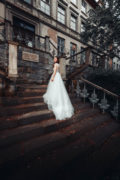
{"x":47,"y":43}
{"x":13,"y":54}
{"x":63,"y":68}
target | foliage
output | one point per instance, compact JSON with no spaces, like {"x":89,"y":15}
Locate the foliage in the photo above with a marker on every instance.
{"x":102,"y":28}
{"x":107,"y":79}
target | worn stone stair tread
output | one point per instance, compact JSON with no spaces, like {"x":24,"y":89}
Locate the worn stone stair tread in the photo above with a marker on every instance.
{"x":23,"y":98}
{"x":31,"y":117}
{"x":57,"y":138}
{"x":20,"y":106}
{"x":27,"y":115}
{"x":114,"y":126}
{"x":26,"y":118}
{"x":39,"y":125}
{"x":32,"y":86}
{"x":34,"y":90}
{"x":42,"y":126}
{"x":29,"y":94}
{"x":106,"y":155}
{"x":32,"y":97}
{"x":79,"y":149}
{"x":7,"y":102}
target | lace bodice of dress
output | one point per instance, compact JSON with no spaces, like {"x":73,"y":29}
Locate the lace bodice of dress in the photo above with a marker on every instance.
{"x":58,"y":67}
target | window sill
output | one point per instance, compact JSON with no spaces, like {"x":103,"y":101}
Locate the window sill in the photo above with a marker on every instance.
{"x":26,"y":3}
{"x":84,"y":13}
{"x":75,"y":31}
{"x":64,"y":25}
{"x":75,"y":5}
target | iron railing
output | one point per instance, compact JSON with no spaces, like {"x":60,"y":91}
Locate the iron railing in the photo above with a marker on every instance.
{"x":107,"y":101}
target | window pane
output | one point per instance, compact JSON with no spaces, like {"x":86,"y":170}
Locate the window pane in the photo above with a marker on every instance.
{"x":84,"y":6}
{"x":28,"y":1}
{"x":45,"y":7}
{"x":74,"y":1}
{"x":73,"y":22}
{"x":61,"y":46}
{"x":82,"y":27}
{"x":61,"y":15}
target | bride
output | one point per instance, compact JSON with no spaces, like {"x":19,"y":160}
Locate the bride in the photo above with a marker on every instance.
{"x":56,"y":95}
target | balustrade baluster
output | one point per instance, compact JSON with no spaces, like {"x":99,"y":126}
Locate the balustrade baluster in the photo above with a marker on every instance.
{"x":115,"y":110}
{"x":93,"y":99}
{"x":84,"y":93}
{"x":104,"y":105}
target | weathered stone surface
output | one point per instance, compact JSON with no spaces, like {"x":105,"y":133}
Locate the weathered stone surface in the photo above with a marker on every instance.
{"x":30,"y":56}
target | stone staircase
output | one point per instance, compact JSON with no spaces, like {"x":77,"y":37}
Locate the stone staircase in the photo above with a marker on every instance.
{"x":28,"y":130}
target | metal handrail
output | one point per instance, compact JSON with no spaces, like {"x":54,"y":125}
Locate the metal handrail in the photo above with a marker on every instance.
{"x":100,"y":88}
{"x":77,"y":53}
{"x":53,"y":45}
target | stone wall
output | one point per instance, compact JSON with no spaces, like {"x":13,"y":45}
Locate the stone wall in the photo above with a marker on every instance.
{"x":30,"y":70}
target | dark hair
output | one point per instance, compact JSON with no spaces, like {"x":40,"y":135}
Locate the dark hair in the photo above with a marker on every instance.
{"x":57,"y":59}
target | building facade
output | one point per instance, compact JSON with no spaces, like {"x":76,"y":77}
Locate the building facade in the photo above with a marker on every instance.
{"x":36,"y":25}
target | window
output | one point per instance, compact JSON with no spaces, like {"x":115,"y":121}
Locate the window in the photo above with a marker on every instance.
{"x":74,"y":1}
{"x":23,"y":32}
{"x":73,"y":22}
{"x":73,"y":50}
{"x":83,"y":56}
{"x":61,"y":14}
{"x":61,"y":46}
{"x":82,"y":26}
{"x":84,"y":6}
{"x":28,"y":1}
{"x":45,"y":6}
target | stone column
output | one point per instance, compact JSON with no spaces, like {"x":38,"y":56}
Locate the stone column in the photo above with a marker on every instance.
{"x":13,"y":54}
{"x":47,"y":43}
{"x":63,"y":68}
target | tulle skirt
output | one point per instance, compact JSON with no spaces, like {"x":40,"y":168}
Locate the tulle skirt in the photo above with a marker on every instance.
{"x":58,"y":99}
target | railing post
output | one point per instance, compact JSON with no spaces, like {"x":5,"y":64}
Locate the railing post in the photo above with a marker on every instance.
{"x":47,"y":43}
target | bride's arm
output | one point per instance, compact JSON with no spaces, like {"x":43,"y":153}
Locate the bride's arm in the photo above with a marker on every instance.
{"x":54,"y":73}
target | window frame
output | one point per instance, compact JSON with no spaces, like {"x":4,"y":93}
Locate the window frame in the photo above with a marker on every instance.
{"x":82,"y":26}
{"x":63,"y":8}
{"x":72,"y":15}
{"x":72,"y":1}
{"x":43,"y":9}
{"x":60,"y":47}
{"x":31,"y":2}
{"x":84,"y":8}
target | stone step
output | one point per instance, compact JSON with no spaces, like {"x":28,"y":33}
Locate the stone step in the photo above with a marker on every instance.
{"x":33,"y":86}
{"x":26,"y":118}
{"x":27,"y":90}
{"x":30,"y":94}
{"x":57,"y":139}
{"x":25,"y":132}
{"x":12,"y":101}
{"x":21,"y":109}
{"x":18,"y":120}
{"x":78,"y":154}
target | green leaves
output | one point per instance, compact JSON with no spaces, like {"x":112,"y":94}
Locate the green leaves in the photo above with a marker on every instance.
{"x":102,"y":28}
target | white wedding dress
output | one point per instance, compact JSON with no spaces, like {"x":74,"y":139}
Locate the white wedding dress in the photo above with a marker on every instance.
{"x":57,"y":97}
